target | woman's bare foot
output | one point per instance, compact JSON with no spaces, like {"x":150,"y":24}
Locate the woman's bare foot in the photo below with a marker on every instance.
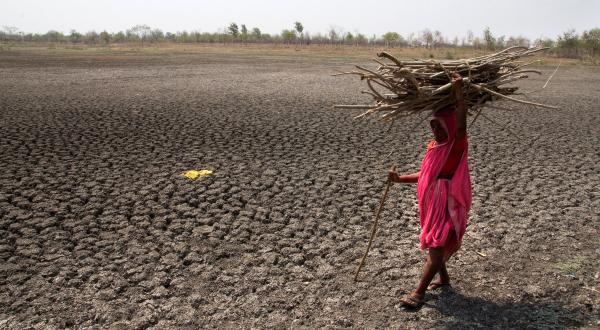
{"x":413,"y":300}
{"x":438,"y":284}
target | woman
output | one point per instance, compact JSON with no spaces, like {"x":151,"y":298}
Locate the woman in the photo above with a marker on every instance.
{"x":443,"y":192}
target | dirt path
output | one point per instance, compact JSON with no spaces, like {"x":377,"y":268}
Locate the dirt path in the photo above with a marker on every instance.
{"x":98,"y":229}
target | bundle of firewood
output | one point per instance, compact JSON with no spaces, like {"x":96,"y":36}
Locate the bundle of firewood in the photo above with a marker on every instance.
{"x":405,"y":87}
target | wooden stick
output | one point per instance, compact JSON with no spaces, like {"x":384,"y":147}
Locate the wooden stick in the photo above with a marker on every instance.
{"x":391,"y":58}
{"x":516,"y":100}
{"x":374,"y":227}
{"x":546,"y":84}
{"x":365,"y":113}
{"x":476,"y":116}
{"x":448,"y":85}
{"x":381,"y":97}
{"x":552,"y":75}
{"x":353,"y":106}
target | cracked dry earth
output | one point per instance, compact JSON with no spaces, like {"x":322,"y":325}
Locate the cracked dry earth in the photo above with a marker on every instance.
{"x":98,"y":228}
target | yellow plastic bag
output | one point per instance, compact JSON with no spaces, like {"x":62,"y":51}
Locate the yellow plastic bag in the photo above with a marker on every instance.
{"x":195,"y":174}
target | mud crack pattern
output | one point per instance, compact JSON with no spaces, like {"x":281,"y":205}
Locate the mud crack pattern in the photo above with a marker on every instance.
{"x":99,"y":230}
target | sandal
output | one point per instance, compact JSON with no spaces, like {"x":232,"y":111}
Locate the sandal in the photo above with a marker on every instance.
{"x":412,"y":301}
{"x":437,"y":285}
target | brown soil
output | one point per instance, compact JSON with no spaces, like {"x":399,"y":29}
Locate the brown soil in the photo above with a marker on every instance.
{"x":98,"y":229}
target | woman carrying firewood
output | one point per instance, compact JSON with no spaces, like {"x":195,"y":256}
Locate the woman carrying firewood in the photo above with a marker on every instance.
{"x":443,"y":192}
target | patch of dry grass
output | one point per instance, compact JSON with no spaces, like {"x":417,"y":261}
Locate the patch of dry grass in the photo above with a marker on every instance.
{"x":342,"y":52}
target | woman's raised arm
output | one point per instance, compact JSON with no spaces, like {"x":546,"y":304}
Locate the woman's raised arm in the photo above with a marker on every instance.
{"x":461,"y":107}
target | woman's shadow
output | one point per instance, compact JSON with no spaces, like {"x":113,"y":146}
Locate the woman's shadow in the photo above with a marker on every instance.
{"x":459,"y":312}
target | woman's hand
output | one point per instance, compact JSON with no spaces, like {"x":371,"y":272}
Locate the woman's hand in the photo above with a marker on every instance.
{"x":407,"y":178}
{"x":457,"y":84}
{"x":393,"y":176}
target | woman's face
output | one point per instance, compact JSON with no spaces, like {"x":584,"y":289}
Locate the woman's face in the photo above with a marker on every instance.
{"x":438,"y":130}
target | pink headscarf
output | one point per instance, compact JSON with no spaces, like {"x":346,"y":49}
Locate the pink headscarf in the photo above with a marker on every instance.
{"x":459,"y":192}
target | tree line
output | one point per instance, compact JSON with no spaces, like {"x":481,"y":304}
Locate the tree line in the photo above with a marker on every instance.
{"x":569,"y":44}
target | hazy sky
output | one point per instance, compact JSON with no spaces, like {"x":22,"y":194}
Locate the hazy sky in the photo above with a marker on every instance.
{"x":530,"y":18}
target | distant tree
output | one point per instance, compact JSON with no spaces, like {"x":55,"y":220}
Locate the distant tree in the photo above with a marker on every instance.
{"x":515,"y":41}
{"x":183,"y":37}
{"x":244,"y":35}
{"x":11,"y":33}
{"x":490,"y":41}
{"x":333,"y":35}
{"x":156,"y":35}
{"x":569,"y":44}
{"x":410,"y":39}
{"x":500,"y":42}
{"x":92,"y":37}
{"x":170,"y":36}
{"x":522,"y":41}
{"x":476,"y":42}
{"x":29,"y":37}
{"x":299,"y":28}
{"x":53,"y":36}
{"x":360,"y":39}
{"x":317,"y":38}
{"x":196,"y":36}
{"x":307,"y":38}
{"x":75,"y":37}
{"x":390,"y":38}
{"x":233,"y":30}
{"x":288,"y":35}
{"x":373,"y":39}
{"x":455,"y":41}
{"x":591,"y":41}
{"x":256,"y":34}
{"x":438,"y":39}
{"x":105,"y":37}
{"x":427,"y":38}
{"x":119,"y":37}
{"x":349,"y":38}
{"x":470,"y":37}
{"x":544,"y":42}
{"x":266,"y":37}
{"x":142,"y":32}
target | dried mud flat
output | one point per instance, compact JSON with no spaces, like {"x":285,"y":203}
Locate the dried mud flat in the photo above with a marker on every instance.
{"x":98,"y":229}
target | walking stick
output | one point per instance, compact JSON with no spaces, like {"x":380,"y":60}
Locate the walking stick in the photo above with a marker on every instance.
{"x":374,"y":227}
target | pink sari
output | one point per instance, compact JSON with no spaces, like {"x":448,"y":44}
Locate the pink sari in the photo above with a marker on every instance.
{"x":443,"y":203}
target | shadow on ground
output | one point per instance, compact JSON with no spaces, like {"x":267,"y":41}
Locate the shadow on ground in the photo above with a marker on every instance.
{"x":460,"y":312}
